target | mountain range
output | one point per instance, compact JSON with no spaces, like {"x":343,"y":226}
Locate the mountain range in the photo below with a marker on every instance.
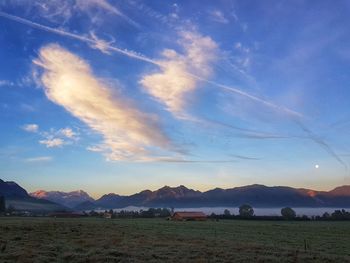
{"x":255,"y":195}
{"x":183,"y":197}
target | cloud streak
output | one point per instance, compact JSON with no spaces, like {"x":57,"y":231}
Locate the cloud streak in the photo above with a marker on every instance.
{"x":312,"y":136}
{"x":242,"y":157}
{"x":173,"y":85}
{"x":39,"y":159}
{"x":218,"y":16}
{"x":67,"y":132}
{"x":52,"y":143}
{"x":31,"y":127}
{"x":4,"y":83}
{"x":128,"y":133}
{"x":103,"y":4}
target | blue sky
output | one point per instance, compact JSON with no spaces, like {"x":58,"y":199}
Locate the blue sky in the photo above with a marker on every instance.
{"x":120,"y":96}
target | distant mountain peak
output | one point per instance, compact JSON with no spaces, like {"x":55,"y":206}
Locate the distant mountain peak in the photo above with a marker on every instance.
{"x":69,"y":199}
{"x":343,"y":190}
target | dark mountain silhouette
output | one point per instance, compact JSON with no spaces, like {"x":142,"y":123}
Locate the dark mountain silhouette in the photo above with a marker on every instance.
{"x":18,"y":198}
{"x":255,"y":195}
{"x":70,"y":199}
{"x":11,"y":189}
{"x":181,"y":196}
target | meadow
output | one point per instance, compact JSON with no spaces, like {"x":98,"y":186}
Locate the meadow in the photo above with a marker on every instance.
{"x":158,"y":240}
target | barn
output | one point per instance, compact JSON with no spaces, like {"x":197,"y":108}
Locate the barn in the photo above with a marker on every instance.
{"x":189,"y":216}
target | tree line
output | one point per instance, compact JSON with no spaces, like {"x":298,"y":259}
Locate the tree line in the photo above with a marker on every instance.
{"x":150,"y":213}
{"x":2,"y":204}
{"x":287,"y":213}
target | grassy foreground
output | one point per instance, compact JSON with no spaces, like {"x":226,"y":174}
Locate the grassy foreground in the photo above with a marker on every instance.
{"x":157,"y":240}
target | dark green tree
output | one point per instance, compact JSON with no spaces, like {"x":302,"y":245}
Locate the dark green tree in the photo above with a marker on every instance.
{"x":10,"y":209}
{"x":288,"y":213}
{"x":2,"y":204}
{"x":227,"y":213}
{"x":246,"y":211}
{"x":165,"y":212}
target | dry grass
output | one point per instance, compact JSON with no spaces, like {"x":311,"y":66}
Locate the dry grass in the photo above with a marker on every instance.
{"x":157,"y":240}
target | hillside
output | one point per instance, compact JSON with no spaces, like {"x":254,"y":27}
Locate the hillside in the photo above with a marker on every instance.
{"x":18,"y":198}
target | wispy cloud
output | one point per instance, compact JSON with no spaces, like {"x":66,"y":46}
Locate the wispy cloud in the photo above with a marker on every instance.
{"x":6,"y":83}
{"x":129,"y":134}
{"x":39,"y":159}
{"x":31,"y":127}
{"x":67,"y":132}
{"x":174,"y":84}
{"x":218,"y":16}
{"x":151,"y":12}
{"x":52,"y":143}
{"x":105,"y":5}
{"x":53,"y":138}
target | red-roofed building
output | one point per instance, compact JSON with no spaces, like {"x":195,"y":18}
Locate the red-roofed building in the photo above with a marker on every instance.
{"x":189,"y":216}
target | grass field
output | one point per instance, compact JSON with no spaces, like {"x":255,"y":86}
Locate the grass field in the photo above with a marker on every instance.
{"x":157,"y":240}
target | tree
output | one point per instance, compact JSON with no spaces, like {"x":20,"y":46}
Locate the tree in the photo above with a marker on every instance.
{"x":227,"y":213}
{"x":10,"y":209}
{"x":2,"y":204}
{"x":326,"y":215}
{"x":246,"y":211}
{"x":340,"y":215}
{"x":165,"y":212}
{"x":288,"y":213}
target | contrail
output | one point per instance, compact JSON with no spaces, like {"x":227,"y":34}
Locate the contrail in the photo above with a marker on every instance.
{"x":321,"y":143}
{"x":244,"y":157}
{"x":76,"y":36}
{"x":176,"y":160}
{"x":252,"y":97}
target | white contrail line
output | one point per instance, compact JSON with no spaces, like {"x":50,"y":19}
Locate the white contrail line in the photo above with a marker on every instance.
{"x":76,"y":36}
{"x":316,"y":139}
{"x":138,"y":56}
{"x":252,"y":97}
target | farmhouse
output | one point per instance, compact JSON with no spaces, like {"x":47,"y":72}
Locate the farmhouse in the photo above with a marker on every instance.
{"x":189,"y":216}
{"x":107,"y":215}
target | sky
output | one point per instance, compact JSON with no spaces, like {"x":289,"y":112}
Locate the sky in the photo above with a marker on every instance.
{"x":122,"y":96}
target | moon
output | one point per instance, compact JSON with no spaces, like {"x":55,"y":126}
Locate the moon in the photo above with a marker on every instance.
{"x":317,"y":166}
